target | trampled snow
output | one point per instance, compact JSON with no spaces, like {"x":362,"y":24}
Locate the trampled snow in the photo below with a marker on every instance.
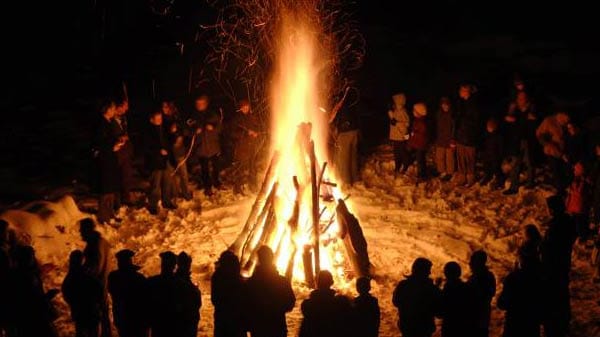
{"x":401,"y":221}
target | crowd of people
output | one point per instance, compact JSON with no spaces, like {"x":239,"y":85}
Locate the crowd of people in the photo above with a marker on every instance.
{"x":534,"y":294}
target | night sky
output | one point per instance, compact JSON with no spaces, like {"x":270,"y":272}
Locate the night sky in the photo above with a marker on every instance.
{"x":58,"y":66}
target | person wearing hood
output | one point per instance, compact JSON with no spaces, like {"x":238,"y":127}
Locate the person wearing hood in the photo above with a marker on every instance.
{"x":419,"y":138}
{"x":444,"y":152}
{"x":270,"y":296}
{"x":418,"y":301}
{"x":128,"y":290}
{"x":399,"y":123}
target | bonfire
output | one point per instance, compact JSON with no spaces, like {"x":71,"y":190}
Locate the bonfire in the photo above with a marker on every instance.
{"x":300,"y":211}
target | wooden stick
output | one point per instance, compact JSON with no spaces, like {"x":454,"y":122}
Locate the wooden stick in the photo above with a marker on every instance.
{"x":309,"y":275}
{"x":254,"y":236}
{"x":354,"y":240}
{"x":265,"y":238}
{"x":258,"y":205}
{"x":315,"y":207}
{"x":289,"y":271}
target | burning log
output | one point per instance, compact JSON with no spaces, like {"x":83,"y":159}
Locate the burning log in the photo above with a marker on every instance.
{"x":309,"y":275}
{"x":315,"y":207}
{"x":354,"y":240}
{"x":265,"y":238}
{"x":253,"y":238}
{"x":238,"y":245}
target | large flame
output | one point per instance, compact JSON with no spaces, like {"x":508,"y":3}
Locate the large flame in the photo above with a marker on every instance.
{"x":299,"y":88}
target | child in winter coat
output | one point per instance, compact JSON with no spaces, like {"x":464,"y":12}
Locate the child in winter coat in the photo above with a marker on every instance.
{"x":577,"y":201}
{"x":492,"y":152}
{"x":399,"y":122}
{"x":419,"y":138}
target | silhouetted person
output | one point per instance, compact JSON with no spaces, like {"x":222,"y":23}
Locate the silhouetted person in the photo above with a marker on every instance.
{"x":455,"y":306}
{"x":97,"y":264}
{"x":190,"y":299}
{"x":85,"y":297}
{"x":319,"y":311}
{"x":466,"y":135}
{"x":521,"y":298}
{"x":4,"y":277}
{"x":163,"y":289}
{"x":129,"y":292}
{"x":530,"y":248}
{"x":491,"y":155}
{"x":227,"y":296}
{"x":125,"y":153}
{"x":482,"y":287}
{"x":32,"y":311}
{"x":556,"y":263}
{"x":270,"y":298}
{"x":366,"y":310}
{"x":417,"y":300}
{"x":246,"y":129}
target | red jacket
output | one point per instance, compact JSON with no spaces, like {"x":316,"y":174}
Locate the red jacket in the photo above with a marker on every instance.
{"x":419,"y":135}
{"x":577,"y":201}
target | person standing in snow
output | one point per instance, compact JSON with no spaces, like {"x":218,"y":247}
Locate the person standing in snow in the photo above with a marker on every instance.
{"x":247,"y":135}
{"x":227,"y":296}
{"x":399,"y":123}
{"x":418,"y":301}
{"x":366,"y":310}
{"x":466,"y":135}
{"x":128,"y":290}
{"x":125,"y":153}
{"x":97,"y":265}
{"x":419,"y":138}
{"x":174,"y":126}
{"x":163,"y":290}
{"x":270,"y":297}
{"x":84,"y":295}
{"x":160,"y":161}
{"x":189,"y":298}
{"x":578,"y":201}
{"x":551,"y":135}
{"x":556,"y":250}
{"x":491,"y":155}
{"x":521,"y":299}
{"x":455,"y":305}
{"x":106,"y":145}
{"x":482,"y":288}
{"x":444,"y":152}
{"x":206,"y":124}
{"x":345,"y":122}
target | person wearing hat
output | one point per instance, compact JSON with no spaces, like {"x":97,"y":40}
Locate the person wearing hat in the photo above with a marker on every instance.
{"x":419,"y":138}
{"x":270,"y":297}
{"x":418,"y":301}
{"x":163,"y":290}
{"x":128,"y":290}
{"x":189,"y":298}
{"x":399,"y":122}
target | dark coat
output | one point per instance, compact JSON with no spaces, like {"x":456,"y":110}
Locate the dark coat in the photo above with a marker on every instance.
{"x":208,"y":143}
{"x":557,"y":247}
{"x":156,"y":139}
{"x":319,"y":314}
{"x":418,"y":302}
{"x":104,"y":141}
{"x":367,"y":316}
{"x":190,"y":301}
{"x":468,"y":125}
{"x":164,"y":307}
{"x":97,"y":259}
{"x":419,"y":136}
{"x":482,"y":287}
{"x":492,"y":150}
{"x":456,"y":310}
{"x":85,"y":297}
{"x":270,"y":297}
{"x":514,"y":133}
{"x":228,"y":295}
{"x":129,"y":292}
{"x":444,"y":123}
{"x":521,"y":298}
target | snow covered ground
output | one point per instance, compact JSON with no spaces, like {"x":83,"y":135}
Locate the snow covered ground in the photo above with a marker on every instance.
{"x":401,"y":222}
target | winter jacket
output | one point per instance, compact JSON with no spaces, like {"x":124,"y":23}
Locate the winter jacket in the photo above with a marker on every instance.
{"x":482,"y":286}
{"x":129,"y":292}
{"x":190,"y":301}
{"x":492,"y":150}
{"x":97,"y":258}
{"x":399,"y":119}
{"x":418,"y":302}
{"x":85,"y":296}
{"x":208,"y":142}
{"x":551,"y":135}
{"x":468,"y":126}
{"x":456,"y":310}
{"x":419,"y":137}
{"x":164,"y":307}
{"x":521,"y":298}
{"x":444,"y":128}
{"x":104,"y":142}
{"x":156,"y":140}
{"x":319,"y":313}
{"x":514,"y":132}
{"x":270,"y":297}
{"x":367,"y":315}
{"x":227,"y":294}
